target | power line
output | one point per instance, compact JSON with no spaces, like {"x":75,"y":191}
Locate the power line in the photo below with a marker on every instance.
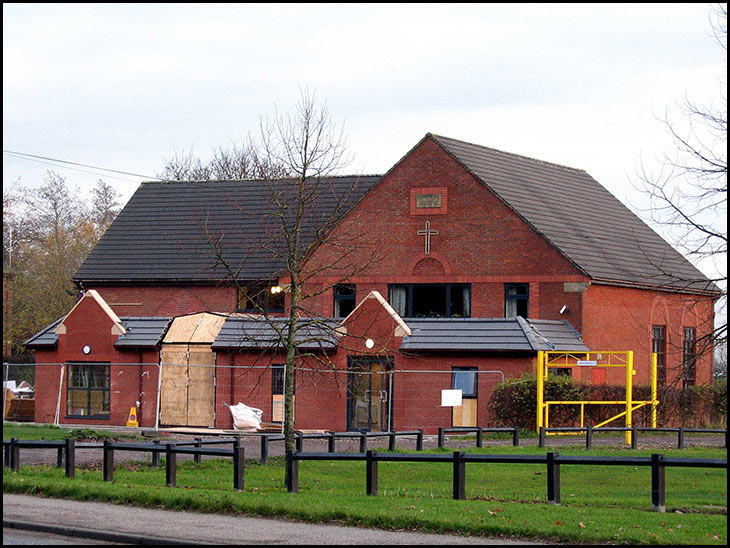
{"x":34,"y":157}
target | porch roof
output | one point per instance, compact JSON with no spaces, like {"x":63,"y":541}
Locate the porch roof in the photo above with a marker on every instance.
{"x":491,"y":334}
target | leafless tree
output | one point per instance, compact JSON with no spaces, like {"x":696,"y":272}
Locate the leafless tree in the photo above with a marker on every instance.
{"x":296,"y":156}
{"x":688,"y":198}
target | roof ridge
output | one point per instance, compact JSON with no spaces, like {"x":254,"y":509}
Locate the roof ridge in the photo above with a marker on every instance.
{"x":513,"y":154}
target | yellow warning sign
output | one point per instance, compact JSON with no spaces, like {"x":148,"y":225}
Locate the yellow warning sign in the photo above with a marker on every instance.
{"x":132,"y":420}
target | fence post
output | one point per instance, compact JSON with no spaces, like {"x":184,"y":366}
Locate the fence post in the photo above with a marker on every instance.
{"x":238,"y":465}
{"x":391,"y":441}
{"x":331,"y":442}
{"x":441,"y":437}
{"x":14,"y":450}
{"x":363,"y":442}
{"x":156,"y":455}
{"x":553,"y":478}
{"x":419,"y":439}
{"x":480,"y":435}
{"x":371,"y":474}
{"x":292,"y":473}
{"x":459,"y":479}
{"x":170,"y":465}
{"x":658,"y":487}
{"x":589,"y":437}
{"x":680,"y":438}
{"x":108,"y":472}
{"x":59,"y":457}
{"x":634,"y":438}
{"x":264,"y":449}
{"x":198,"y":445}
{"x":70,"y":458}
{"x":541,"y":442}
{"x":515,"y":437}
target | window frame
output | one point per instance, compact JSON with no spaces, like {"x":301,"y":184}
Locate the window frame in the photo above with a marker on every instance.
{"x":463,"y":370}
{"x":89,"y":390}
{"x":659,"y":347}
{"x":259,"y":299}
{"x":516,"y":299}
{"x":689,"y":357}
{"x":449,"y":287}
{"x":340,"y":297}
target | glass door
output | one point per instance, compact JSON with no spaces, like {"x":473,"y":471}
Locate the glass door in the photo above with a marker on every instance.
{"x":369,"y":393}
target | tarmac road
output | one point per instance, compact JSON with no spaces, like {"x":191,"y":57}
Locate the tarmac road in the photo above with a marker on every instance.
{"x":132,"y":525}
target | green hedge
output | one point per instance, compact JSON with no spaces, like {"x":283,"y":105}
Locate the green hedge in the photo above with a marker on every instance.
{"x":515,"y":404}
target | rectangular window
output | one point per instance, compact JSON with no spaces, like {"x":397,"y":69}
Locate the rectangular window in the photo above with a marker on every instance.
{"x":87,"y":391}
{"x":431,"y":300}
{"x":344,"y":300}
{"x":516,"y":300}
{"x":260,"y":297}
{"x":465,"y":379}
{"x":659,"y":346}
{"x":689,"y":357}
{"x":277,"y":392}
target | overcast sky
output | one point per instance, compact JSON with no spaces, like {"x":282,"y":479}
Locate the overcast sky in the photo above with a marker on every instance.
{"x":127,"y":86}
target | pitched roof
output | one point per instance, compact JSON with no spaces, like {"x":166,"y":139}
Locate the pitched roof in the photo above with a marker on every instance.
{"x":140,"y":332}
{"x":165,"y":231}
{"x":493,"y":334}
{"x":584,"y":221}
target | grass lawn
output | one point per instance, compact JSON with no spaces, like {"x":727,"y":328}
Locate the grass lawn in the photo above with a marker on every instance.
{"x":600,"y":504}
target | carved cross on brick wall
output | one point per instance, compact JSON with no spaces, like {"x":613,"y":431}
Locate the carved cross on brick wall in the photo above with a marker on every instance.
{"x":427,"y":233}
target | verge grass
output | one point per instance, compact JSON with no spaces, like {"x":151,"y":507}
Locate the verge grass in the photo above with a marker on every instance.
{"x":600,"y":504}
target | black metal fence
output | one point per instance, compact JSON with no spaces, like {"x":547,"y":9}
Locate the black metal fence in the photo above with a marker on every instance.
{"x":459,"y":459}
{"x":635,"y":430}
{"x":66,"y":457}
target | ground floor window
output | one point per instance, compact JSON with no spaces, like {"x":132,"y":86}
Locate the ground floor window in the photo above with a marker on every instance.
{"x":659,"y":346}
{"x":689,"y":357}
{"x":465,"y":379}
{"x":87,"y":393}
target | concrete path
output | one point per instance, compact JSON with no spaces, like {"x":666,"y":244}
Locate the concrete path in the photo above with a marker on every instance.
{"x":131,"y":525}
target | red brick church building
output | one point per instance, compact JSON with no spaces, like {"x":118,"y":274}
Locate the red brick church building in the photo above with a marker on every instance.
{"x":469,"y":261}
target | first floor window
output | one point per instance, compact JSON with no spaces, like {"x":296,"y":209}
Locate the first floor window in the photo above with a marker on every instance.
{"x":516,"y":300}
{"x":689,"y":357}
{"x":344,"y":300}
{"x":431,"y":300}
{"x":659,"y":346}
{"x":87,"y":393}
{"x":260,"y":297}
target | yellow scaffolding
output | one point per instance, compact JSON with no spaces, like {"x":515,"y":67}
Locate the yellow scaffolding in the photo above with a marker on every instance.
{"x":548,"y":359}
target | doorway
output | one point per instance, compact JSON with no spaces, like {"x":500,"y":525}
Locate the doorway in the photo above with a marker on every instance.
{"x":370,"y":380}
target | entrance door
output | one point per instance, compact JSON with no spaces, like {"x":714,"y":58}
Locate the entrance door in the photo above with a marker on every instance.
{"x":187,"y":390}
{"x":369,"y":393}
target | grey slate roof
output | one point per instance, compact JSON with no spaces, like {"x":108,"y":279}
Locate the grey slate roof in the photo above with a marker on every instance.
{"x":46,"y":337}
{"x":160,"y":235}
{"x":437,"y":334}
{"x":498,"y":334}
{"x":140,"y":333}
{"x":584,"y":221}
{"x":243,"y":333}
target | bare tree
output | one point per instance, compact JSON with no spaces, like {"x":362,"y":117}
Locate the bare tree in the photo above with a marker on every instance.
{"x":104,"y":206}
{"x":304,"y":207}
{"x":688,"y":198}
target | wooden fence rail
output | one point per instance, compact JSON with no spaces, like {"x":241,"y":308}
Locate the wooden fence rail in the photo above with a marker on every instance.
{"x":459,"y":459}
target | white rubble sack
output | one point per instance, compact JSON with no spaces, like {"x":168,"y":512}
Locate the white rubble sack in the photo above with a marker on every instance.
{"x":245,"y":417}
